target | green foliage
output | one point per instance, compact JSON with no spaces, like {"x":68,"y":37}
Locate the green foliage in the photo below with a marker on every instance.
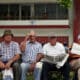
{"x":65,"y":3}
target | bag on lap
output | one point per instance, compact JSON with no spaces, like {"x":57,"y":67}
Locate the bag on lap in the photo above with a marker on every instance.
{"x":8,"y":74}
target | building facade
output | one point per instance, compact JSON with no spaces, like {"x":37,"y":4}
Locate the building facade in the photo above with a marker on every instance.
{"x":46,"y":17}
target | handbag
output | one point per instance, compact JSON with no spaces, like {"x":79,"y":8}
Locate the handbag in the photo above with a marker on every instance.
{"x":7,"y":74}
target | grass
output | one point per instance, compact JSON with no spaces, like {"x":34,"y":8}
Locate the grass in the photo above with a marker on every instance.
{"x":56,"y":76}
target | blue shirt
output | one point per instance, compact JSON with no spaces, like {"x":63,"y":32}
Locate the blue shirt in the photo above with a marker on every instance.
{"x":7,"y":52}
{"x":31,"y":51}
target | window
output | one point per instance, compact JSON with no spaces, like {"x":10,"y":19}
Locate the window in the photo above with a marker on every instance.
{"x":9,"y":12}
{"x":25,"y":12}
{"x":62,"y":13}
{"x":14,"y":11}
{"x":37,"y":11}
{"x":50,"y":11}
{"x":3,"y":12}
{"x":40,"y":11}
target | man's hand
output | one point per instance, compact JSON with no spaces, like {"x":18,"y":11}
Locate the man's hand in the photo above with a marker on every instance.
{"x":32,"y":66}
{"x":7,"y":66}
{"x":23,"y":46}
{"x":23,"y":43}
{"x":39,"y":57}
{"x":2,"y":65}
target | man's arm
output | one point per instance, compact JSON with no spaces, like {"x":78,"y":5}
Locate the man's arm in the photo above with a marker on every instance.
{"x":2,"y":65}
{"x":16,"y":54}
{"x":39,"y":57}
{"x":23,"y":46}
{"x":15,"y":58}
{"x":72,"y":55}
{"x":39,"y":54}
{"x":23,"y":43}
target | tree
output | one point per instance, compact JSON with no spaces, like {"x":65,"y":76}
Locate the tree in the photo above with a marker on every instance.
{"x":65,"y":3}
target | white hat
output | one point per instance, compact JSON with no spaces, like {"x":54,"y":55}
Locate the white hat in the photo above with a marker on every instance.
{"x":32,"y":32}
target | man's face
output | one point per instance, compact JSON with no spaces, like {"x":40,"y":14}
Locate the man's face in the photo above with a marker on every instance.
{"x":7,"y":38}
{"x":32,"y":38}
{"x":53,"y":41}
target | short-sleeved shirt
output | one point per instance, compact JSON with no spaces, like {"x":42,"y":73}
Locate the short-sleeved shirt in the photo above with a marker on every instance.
{"x":31,"y":51}
{"x":55,"y":50}
{"x":7,"y":52}
{"x":75,"y":49}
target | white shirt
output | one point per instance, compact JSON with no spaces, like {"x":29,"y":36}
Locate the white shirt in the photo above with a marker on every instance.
{"x":56,"y":50}
{"x":75,"y":49}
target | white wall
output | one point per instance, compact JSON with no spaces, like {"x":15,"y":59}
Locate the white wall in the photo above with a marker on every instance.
{"x":34,"y":22}
{"x":43,"y":32}
{"x":40,"y":32}
{"x":27,"y":1}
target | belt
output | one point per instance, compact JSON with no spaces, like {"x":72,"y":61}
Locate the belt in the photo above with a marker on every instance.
{"x":28,"y":61}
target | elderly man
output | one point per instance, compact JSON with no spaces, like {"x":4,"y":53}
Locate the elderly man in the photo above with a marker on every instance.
{"x":10,"y":54}
{"x":75,"y":58}
{"x":54,"y":48}
{"x":31,"y":55}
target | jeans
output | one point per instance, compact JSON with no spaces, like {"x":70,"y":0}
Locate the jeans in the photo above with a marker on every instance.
{"x":47,"y":67}
{"x":75,"y":65}
{"x":37,"y":71}
{"x":75,"y":75}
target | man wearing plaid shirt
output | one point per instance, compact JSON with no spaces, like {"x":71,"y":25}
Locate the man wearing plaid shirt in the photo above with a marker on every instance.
{"x":32,"y":54}
{"x":10,"y":54}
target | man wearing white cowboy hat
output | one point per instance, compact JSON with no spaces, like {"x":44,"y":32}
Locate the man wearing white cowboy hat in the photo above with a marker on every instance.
{"x":10,"y":54}
{"x":31,"y":55}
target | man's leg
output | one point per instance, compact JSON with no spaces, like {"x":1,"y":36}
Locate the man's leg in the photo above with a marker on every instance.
{"x":75,"y":77}
{"x":47,"y":67}
{"x":16,"y":70}
{"x":76,"y":66}
{"x":78,"y":73}
{"x":65,"y":71}
{"x":24,"y":70}
{"x":37,"y":71}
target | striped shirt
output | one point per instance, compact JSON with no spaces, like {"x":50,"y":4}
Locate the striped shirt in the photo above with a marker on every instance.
{"x":9,"y":51}
{"x":31,"y":51}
